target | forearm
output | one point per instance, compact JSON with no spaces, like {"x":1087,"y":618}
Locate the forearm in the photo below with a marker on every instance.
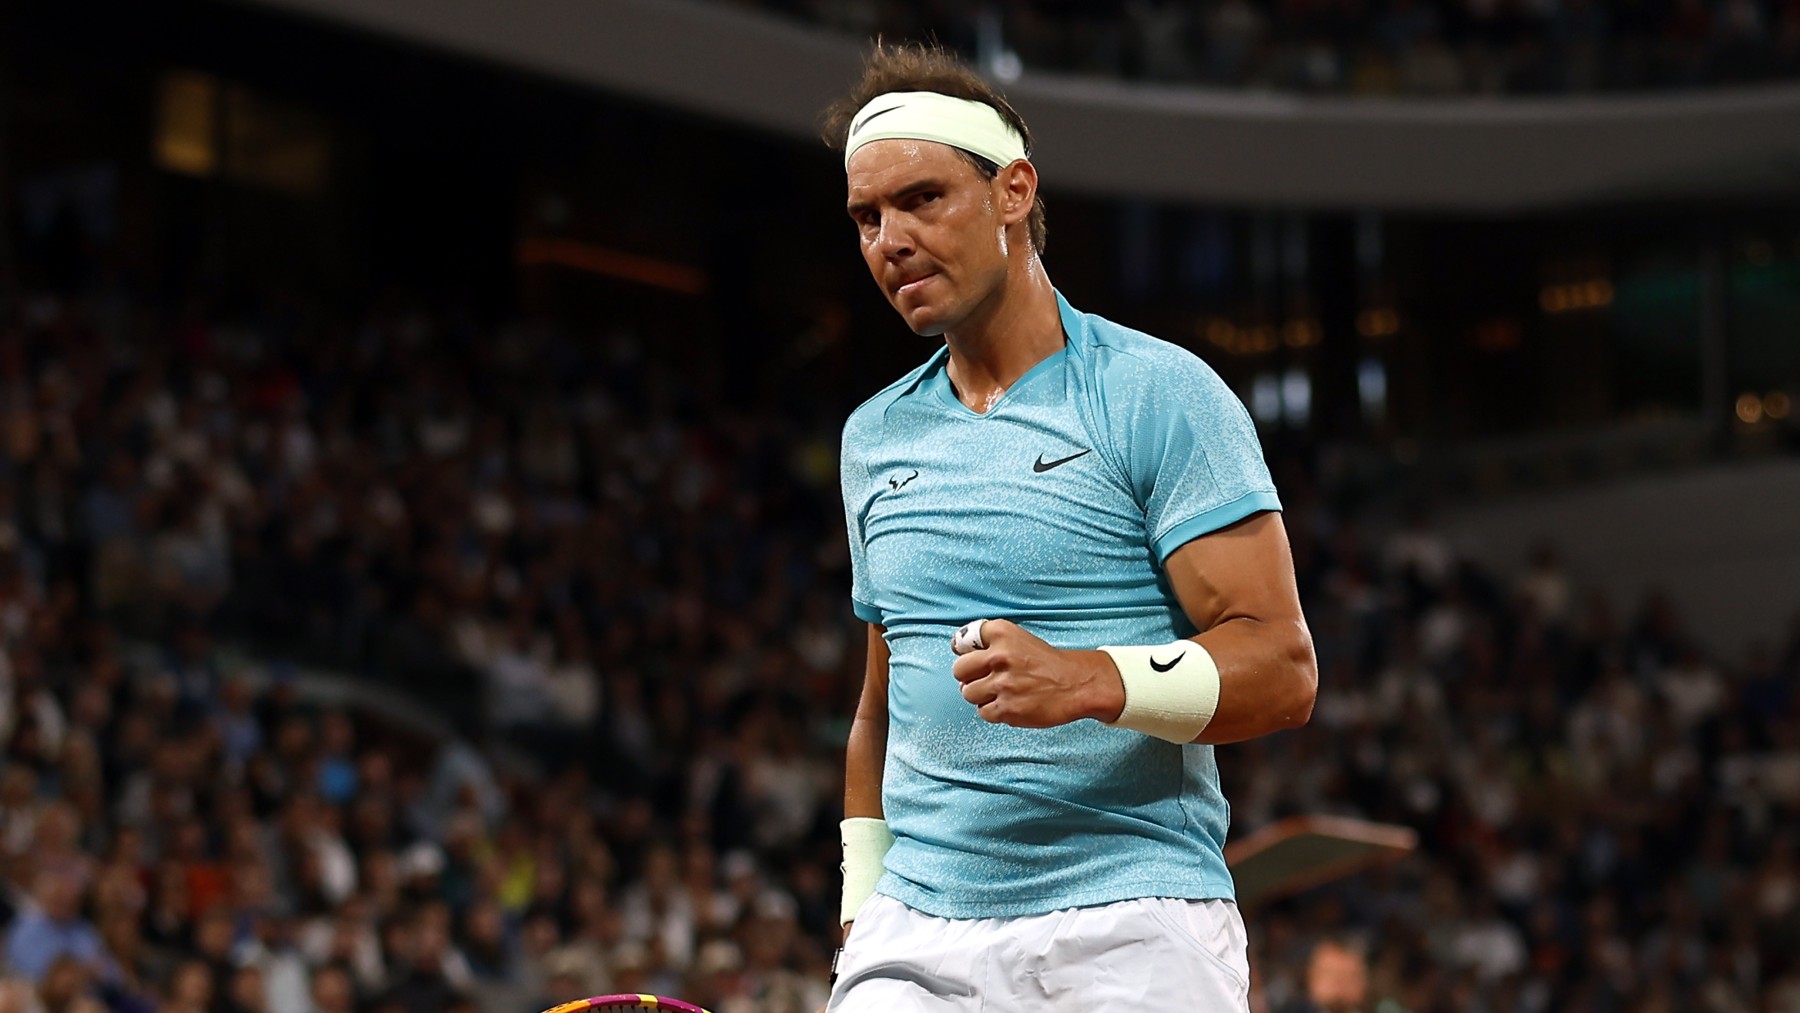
{"x":865,"y":755}
{"x":1267,"y":679}
{"x":865,"y":758}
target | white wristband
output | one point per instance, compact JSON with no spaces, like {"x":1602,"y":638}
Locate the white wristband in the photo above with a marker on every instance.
{"x":866,"y":843}
{"x":1171,"y":690}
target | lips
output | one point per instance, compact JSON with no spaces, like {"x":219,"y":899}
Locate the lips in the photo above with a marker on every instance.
{"x":914,"y":284}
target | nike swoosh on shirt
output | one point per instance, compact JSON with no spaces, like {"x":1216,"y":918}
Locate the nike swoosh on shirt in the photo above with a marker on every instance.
{"x":1043,"y":465}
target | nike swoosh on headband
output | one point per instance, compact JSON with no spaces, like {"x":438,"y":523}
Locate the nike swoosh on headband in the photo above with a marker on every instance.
{"x":865,"y":120}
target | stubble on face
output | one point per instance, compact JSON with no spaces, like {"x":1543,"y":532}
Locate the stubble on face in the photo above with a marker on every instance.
{"x":927,"y":224}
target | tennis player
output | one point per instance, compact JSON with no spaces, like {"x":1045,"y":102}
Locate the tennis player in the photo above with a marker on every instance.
{"x":1035,"y":821}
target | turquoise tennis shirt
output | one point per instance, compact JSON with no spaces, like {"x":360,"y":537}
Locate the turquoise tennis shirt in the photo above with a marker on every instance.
{"x":1056,"y":510}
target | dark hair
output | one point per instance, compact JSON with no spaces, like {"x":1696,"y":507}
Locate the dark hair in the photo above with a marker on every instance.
{"x":917,"y":66}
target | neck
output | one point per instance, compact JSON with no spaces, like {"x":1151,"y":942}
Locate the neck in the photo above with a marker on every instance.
{"x":1017,"y":327}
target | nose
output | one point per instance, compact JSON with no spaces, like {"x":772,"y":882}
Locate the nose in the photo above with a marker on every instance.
{"x":894,"y":241}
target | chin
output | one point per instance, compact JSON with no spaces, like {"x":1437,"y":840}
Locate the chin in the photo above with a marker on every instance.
{"x":926,"y":327}
{"x":927,"y":320}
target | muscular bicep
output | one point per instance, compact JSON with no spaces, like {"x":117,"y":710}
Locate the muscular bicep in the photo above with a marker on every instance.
{"x":1237,"y":586}
{"x":1242,"y":571}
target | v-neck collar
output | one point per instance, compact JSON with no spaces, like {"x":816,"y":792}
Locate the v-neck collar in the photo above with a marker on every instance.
{"x":938,"y":366}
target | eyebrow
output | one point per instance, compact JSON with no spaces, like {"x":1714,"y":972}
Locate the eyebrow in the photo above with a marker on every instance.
{"x":855,"y":208}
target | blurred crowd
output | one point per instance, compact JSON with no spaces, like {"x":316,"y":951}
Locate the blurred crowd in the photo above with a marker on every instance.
{"x":626,"y":593}
{"x":541,"y":538}
{"x":1607,"y":815}
{"x":1363,"y":47}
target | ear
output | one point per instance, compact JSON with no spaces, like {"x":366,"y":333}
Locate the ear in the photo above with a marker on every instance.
{"x":1018,"y":191}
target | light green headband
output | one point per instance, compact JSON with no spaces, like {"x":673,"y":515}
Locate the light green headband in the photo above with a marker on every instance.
{"x":975,"y":127}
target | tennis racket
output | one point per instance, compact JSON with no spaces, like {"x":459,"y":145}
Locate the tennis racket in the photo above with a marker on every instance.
{"x":610,"y":1003}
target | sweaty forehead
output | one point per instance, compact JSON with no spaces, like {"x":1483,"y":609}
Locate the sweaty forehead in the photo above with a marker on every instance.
{"x":881,"y":166}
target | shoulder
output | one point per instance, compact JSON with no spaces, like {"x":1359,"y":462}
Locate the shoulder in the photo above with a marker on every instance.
{"x":26,"y":926}
{"x":1128,"y":366}
{"x":868,"y":421}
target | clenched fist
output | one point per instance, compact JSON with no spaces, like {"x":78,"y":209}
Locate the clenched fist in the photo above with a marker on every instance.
{"x":1017,"y":679}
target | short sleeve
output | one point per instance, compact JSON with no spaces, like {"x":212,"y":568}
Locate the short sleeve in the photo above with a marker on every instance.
{"x":1190,"y":450}
{"x":853,"y":476}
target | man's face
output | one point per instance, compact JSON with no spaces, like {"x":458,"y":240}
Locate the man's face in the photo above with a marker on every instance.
{"x":331,"y":990}
{"x":59,"y":896}
{"x":1337,"y":979}
{"x":930,"y":228}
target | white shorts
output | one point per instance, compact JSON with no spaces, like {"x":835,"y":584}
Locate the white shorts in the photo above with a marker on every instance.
{"x":1135,"y":956}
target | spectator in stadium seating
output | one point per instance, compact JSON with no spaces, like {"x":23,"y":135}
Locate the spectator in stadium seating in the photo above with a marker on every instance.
{"x":191,"y":987}
{"x":246,"y":991}
{"x":68,"y":987}
{"x":1337,"y":980}
{"x":52,"y":928}
{"x":518,"y":675}
{"x":17,"y":996}
{"x":333,"y":990}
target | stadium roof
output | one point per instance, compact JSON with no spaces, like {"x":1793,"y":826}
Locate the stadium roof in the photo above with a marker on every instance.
{"x":1179,"y":143}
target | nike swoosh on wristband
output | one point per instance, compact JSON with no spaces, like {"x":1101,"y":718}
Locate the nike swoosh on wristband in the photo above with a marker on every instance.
{"x":1042,"y":465}
{"x":1171,"y":663}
